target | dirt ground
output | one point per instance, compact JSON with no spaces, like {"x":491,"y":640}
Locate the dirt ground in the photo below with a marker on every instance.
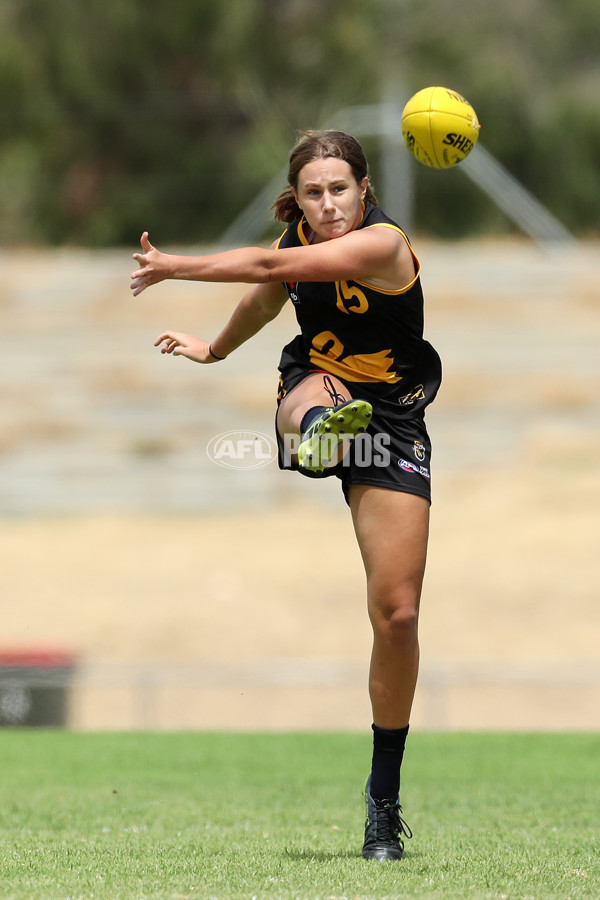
{"x":250,"y":614}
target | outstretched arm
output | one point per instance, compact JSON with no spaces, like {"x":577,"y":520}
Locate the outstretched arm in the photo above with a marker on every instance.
{"x":379,"y":256}
{"x":248,"y":264}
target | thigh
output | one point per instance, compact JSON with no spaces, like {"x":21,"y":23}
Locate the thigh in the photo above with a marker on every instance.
{"x":317,"y":389}
{"x":392,"y":529}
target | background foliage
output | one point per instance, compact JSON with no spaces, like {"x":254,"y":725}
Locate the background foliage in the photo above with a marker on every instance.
{"x":121,"y":116}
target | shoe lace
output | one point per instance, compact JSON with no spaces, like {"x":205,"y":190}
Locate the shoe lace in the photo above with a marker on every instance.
{"x":329,"y":386}
{"x":390,"y":824}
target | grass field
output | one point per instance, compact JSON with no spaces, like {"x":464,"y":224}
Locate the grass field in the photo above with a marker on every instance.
{"x":133,"y":816}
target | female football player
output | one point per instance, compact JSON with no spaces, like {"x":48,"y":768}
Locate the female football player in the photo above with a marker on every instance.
{"x":354,"y":385}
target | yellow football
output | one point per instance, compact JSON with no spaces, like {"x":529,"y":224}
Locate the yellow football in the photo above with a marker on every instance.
{"x":440,"y":128}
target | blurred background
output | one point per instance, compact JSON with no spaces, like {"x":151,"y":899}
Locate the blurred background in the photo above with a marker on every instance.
{"x":144,"y":586}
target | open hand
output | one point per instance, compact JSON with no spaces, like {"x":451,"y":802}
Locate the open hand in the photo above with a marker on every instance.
{"x":185,"y":345}
{"x":153,"y":266}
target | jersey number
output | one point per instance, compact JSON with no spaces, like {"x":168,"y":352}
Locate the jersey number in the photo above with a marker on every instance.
{"x":345,"y":293}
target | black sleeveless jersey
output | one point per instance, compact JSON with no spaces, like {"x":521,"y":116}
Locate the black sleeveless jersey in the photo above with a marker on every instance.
{"x":369,"y":337}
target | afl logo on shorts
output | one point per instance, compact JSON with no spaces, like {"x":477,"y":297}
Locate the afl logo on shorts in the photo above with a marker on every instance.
{"x":408,"y":466}
{"x":419,"y":451}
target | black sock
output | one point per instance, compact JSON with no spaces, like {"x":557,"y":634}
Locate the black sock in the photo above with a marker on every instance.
{"x":309,"y":416}
{"x":388,"y":750}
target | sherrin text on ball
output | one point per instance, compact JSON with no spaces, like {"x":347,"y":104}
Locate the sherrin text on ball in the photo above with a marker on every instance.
{"x":439,"y":127}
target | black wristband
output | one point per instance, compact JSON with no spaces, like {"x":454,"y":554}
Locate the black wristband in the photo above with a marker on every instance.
{"x":210,"y":350}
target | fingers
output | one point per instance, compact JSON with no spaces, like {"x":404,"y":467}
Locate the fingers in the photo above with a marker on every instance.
{"x":147,"y":274}
{"x":136,"y":286}
{"x":171,"y":343}
{"x":138,"y":280}
{"x":168,"y":336}
{"x":169,"y":346}
{"x":146,"y":248}
{"x":179,"y":344}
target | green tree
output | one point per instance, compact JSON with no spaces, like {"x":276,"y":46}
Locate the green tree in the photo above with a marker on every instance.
{"x":118,"y":116}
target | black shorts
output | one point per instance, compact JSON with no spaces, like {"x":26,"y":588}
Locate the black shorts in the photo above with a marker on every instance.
{"x":394,"y":452}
